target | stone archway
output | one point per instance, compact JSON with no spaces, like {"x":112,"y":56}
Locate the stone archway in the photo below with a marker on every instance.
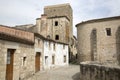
{"x":118,"y":45}
{"x":93,"y":43}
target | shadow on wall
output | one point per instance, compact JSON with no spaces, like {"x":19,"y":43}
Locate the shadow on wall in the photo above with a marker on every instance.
{"x":118,"y":45}
{"x":76,"y":76}
{"x":93,"y":43}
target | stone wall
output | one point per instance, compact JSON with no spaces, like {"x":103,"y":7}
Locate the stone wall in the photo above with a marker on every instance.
{"x":95,"y":44}
{"x":60,"y":14}
{"x":95,"y":71}
{"x":59,"y":10}
{"x":20,"y":70}
{"x":38,"y":47}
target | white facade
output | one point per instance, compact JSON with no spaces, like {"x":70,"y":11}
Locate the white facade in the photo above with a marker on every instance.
{"x":55,"y":54}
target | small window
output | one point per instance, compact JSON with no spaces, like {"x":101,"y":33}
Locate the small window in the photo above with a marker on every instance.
{"x":24,"y":61}
{"x":8,"y":57}
{"x":63,"y":46}
{"x":56,"y":23}
{"x":46,"y":60}
{"x":38,"y":42}
{"x":54,"y":46}
{"x":53,"y":59}
{"x":76,"y":56}
{"x":64,"y":58}
{"x":48,"y":36}
{"x":56,"y":37}
{"x":108,"y":31}
{"x":49,"y":45}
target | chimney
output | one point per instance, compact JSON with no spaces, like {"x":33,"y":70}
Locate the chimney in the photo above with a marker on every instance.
{"x":43,"y":16}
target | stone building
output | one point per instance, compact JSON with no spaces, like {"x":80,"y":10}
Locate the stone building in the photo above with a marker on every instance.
{"x":60,"y":21}
{"x":55,"y":54}
{"x":56,"y":20}
{"x":73,"y":50}
{"x":17,"y":53}
{"x":57,"y":23}
{"x":99,"y":49}
{"x":98,"y":40}
{"x":23,"y":53}
{"x":27,"y":49}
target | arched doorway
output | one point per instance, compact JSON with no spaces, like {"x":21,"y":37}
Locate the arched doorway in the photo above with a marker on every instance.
{"x":93,"y":41}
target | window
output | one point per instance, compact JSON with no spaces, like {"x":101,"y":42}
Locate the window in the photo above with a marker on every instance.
{"x":24,"y":61}
{"x":108,"y":31}
{"x":49,"y":45}
{"x":53,"y":59}
{"x":48,"y":36}
{"x":56,"y":23}
{"x":8,"y":57}
{"x":63,"y":46}
{"x":64,"y":58}
{"x":54,"y":46}
{"x":76,"y":56}
{"x":38,"y":42}
{"x":56,"y":37}
{"x":46,"y":60}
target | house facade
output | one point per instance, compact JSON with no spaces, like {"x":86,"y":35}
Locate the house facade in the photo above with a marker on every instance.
{"x":99,"y":40}
{"x":55,"y":54}
{"x":17,"y":54}
{"x":24,"y":53}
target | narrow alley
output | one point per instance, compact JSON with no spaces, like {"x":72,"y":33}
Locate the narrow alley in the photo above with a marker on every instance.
{"x":70,"y":72}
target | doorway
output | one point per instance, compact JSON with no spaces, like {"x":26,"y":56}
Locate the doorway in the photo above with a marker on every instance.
{"x":9,"y":64}
{"x":53,"y":59}
{"x":37,"y":62}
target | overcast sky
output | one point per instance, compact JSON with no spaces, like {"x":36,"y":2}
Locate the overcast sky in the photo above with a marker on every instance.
{"x":18,"y":12}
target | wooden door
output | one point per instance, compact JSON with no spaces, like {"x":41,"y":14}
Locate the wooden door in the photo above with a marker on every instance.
{"x":9,"y":64}
{"x":37,"y":62}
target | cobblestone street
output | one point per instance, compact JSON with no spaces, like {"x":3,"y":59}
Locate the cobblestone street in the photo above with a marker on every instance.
{"x":70,"y":72}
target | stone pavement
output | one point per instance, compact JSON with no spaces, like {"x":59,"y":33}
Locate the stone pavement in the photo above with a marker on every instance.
{"x":70,"y":72}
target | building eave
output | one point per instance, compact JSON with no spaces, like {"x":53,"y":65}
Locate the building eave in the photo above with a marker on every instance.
{"x":98,"y":20}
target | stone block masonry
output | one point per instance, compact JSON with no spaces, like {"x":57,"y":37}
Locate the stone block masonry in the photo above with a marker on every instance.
{"x":96,"y":71}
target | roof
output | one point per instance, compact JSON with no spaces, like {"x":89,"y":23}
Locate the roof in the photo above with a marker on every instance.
{"x":16,"y":35}
{"x":25,"y":27}
{"x":99,"y":20}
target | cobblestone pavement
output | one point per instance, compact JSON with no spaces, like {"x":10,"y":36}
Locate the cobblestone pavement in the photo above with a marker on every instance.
{"x":70,"y":72}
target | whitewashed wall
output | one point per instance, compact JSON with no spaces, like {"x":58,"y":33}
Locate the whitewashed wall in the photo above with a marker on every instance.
{"x":59,"y":54}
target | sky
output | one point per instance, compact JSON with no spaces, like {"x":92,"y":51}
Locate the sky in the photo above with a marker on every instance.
{"x":20,"y":12}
